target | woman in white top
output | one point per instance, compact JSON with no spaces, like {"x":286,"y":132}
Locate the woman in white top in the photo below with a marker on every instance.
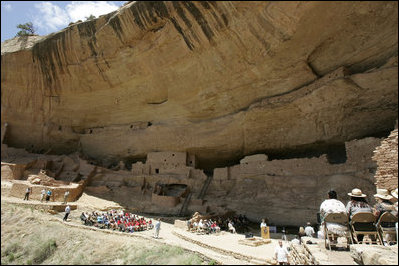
{"x":332,"y":205}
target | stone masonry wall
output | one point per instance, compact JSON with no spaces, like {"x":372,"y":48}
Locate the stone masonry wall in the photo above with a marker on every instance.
{"x":289,"y":192}
{"x":386,"y":157}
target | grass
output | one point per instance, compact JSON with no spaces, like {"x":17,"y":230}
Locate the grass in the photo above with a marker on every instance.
{"x":30,"y":237}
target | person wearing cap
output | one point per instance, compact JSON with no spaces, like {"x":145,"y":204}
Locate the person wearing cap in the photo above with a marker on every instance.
{"x":383,"y":203}
{"x":357,"y":203}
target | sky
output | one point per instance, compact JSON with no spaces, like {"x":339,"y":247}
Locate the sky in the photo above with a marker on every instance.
{"x":49,"y":16}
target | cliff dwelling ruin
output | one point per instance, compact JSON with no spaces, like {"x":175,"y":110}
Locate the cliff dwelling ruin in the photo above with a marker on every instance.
{"x":177,"y":107}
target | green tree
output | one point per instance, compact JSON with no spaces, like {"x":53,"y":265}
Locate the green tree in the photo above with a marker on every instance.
{"x":90,"y":17}
{"x":26,"y":29}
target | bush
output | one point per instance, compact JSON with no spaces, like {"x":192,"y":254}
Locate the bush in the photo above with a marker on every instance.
{"x":44,"y":251}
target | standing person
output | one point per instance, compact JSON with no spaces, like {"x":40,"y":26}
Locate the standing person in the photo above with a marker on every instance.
{"x":42,"y":193}
{"x":263,"y":228}
{"x":157,"y":228}
{"x":309,"y":231}
{"x":66,"y":196}
{"x":281,"y":254}
{"x":67,"y":211}
{"x":283,"y":236}
{"x":27,"y":192}
{"x":48,"y":195}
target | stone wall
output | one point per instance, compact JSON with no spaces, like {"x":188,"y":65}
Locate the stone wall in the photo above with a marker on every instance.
{"x":290,"y":191}
{"x":386,"y":157}
{"x":19,"y":187}
{"x":165,"y":201}
{"x":176,"y":159}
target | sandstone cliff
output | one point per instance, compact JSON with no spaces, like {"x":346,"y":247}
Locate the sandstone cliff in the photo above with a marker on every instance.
{"x":220,"y":80}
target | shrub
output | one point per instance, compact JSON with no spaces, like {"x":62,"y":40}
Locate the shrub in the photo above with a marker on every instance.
{"x":44,"y":251}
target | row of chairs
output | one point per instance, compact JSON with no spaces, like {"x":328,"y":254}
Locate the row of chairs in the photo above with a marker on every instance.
{"x":362,"y":223}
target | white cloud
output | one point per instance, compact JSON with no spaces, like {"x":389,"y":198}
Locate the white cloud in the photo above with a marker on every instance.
{"x":8,"y":7}
{"x":51,"y":17}
{"x":82,"y":9}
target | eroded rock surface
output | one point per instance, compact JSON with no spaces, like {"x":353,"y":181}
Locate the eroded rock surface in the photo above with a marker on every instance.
{"x":219,"y":80}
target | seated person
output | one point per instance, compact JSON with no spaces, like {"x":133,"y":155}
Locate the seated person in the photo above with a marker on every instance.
{"x":383,"y":204}
{"x":195,"y":226}
{"x":357,"y":204}
{"x":301,"y":232}
{"x":106,"y":222}
{"x":332,"y":205}
{"x":215,"y":228}
{"x":309,"y":231}
{"x":83,"y":218}
{"x":231,"y":227}
{"x":200,"y":226}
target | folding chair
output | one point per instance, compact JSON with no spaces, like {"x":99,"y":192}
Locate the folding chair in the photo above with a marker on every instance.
{"x":363,"y":223}
{"x":339,"y":218}
{"x":386,"y":226}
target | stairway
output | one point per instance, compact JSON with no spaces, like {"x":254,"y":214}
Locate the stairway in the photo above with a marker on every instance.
{"x":185,"y":205}
{"x":205,"y":187}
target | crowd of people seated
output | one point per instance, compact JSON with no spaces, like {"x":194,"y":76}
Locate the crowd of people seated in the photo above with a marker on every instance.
{"x":116,"y":220}
{"x":236,"y":223}
{"x":356,"y":204}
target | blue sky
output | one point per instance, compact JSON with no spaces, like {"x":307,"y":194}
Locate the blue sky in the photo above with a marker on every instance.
{"x":49,"y":16}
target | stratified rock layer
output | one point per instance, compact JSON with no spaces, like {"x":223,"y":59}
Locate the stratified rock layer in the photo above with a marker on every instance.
{"x":220,"y":80}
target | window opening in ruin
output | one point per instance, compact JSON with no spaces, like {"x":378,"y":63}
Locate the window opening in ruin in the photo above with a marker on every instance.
{"x":191,"y":162}
{"x":149,"y":124}
{"x":173,"y":154}
{"x":157,"y":171}
{"x":59,"y":128}
{"x":131,"y":126}
{"x":91,"y":131}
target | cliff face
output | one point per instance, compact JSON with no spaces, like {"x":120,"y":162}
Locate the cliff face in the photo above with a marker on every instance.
{"x":217,"y":79}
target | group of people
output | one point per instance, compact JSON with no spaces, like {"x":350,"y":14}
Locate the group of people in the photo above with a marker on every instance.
{"x":209,"y":226}
{"x":117,"y":220}
{"x":357,"y":203}
{"x":44,"y":194}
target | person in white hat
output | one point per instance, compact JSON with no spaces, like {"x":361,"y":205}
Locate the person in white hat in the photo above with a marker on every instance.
{"x":394,"y":193}
{"x":357,"y":203}
{"x":383,"y":202}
